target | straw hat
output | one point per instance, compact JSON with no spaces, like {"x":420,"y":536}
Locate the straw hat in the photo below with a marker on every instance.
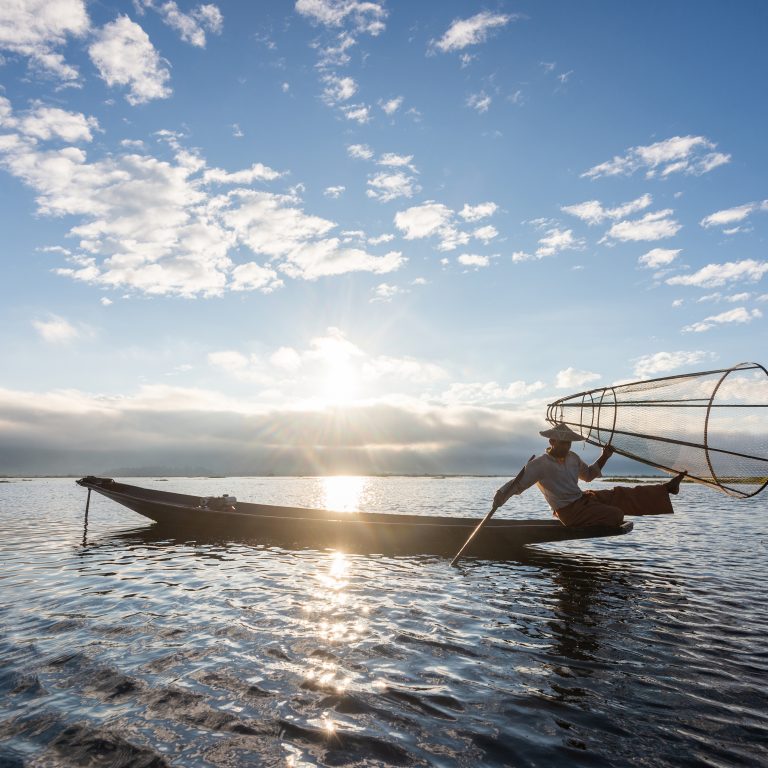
{"x":561,"y":432}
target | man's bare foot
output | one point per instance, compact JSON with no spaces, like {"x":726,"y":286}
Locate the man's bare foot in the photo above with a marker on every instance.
{"x":673,"y":486}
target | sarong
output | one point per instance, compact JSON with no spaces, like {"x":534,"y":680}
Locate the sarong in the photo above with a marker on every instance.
{"x":608,"y":507}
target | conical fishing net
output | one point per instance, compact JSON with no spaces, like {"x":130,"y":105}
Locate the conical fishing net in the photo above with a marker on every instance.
{"x":713,"y":424}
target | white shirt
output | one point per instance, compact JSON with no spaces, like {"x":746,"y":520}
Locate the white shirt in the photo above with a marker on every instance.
{"x":558,"y":479}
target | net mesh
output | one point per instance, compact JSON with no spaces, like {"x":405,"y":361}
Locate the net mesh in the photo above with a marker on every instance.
{"x":713,"y":424}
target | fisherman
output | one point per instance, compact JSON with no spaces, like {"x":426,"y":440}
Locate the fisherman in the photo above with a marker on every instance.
{"x":557,"y":473}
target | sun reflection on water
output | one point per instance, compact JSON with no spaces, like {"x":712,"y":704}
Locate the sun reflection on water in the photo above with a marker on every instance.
{"x":337,"y":619}
{"x":343,"y":492}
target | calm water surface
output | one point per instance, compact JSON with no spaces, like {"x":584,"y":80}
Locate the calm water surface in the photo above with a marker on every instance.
{"x":120,"y":647}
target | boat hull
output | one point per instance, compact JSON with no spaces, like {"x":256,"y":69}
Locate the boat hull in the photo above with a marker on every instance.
{"x":357,"y":532}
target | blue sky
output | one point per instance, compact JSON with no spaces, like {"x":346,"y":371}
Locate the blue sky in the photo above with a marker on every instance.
{"x":325,"y":236}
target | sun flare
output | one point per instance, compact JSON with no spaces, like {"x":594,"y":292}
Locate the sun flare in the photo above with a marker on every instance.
{"x":343,"y":492}
{"x":340,"y":383}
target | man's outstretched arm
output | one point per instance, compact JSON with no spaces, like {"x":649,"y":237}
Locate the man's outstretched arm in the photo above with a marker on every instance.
{"x":608,"y":451}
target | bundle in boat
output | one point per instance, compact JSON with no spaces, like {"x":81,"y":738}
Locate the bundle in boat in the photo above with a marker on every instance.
{"x":711,"y":424}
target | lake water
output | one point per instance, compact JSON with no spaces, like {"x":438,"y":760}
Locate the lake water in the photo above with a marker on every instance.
{"x":119,"y":647}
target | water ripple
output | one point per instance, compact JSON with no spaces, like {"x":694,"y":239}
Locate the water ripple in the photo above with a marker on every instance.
{"x":122,"y":647}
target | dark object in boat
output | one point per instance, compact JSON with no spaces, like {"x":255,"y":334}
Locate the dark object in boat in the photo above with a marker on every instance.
{"x":361,"y":532}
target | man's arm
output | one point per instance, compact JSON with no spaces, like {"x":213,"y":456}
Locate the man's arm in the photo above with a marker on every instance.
{"x":502,"y":495}
{"x":589,"y":473}
{"x":608,"y":451}
{"x":521,"y":483}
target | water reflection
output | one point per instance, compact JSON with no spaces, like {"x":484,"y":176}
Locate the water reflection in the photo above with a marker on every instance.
{"x":342,"y":492}
{"x":575,"y":609}
{"x":338,"y":621}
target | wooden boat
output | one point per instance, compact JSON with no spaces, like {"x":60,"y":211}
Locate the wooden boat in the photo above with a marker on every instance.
{"x":361,"y":532}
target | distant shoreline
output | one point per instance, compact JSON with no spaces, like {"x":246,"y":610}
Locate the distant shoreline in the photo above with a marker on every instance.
{"x":437,"y":476}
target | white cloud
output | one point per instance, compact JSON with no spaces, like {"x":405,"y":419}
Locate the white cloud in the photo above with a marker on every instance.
{"x":385,"y":292}
{"x":652,"y":226}
{"x":477,"y":212}
{"x":47,"y":123}
{"x":228,"y":360}
{"x":385,"y":186}
{"x":479,"y":101}
{"x":395,"y":160}
{"x":334,"y":192}
{"x":337,"y":55}
{"x":325,"y":360}
{"x":679,"y":154}
{"x":359,"y":151}
{"x":155,"y":226}
{"x":124,"y":56}
{"x":325,"y":258}
{"x":190,"y":26}
{"x":571,"y":378}
{"x":650,"y":366}
{"x":714,"y":275}
{"x":381,"y":239}
{"x":363,"y":15}
{"x":338,"y":89}
{"x":56,"y":330}
{"x":389,"y":186}
{"x":659,"y":257}
{"x":475,"y":393}
{"x":406,"y":369}
{"x":717,"y":297}
{"x":390,"y":106}
{"x":105,"y":302}
{"x":274,"y":225}
{"x":486,"y":233}
{"x":556,"y":240}
{"x":423,"y":220}
{"x":451,"y":238}
{"x":473,"y":260}
{"x":733,"y":215}
{"x":257,"y":172}
{"x":286,"y":359}
{"x":432,"y":219}
{"x":360,"y":113}
{"x":255,"y":277}
{"x":35,"y":28}
{"x":738,"y":315}
{"x":519,"y":256}
{"x":471,"y":31}
{"x":593,"y":212}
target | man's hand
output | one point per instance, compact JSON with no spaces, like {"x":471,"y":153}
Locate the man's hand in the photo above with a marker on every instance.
{"x":608,"y":451}
{"x":503,"y":494}
{"x":500,"y":498}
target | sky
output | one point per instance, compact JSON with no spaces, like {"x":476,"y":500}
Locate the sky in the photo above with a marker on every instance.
{"x":348,"y":236}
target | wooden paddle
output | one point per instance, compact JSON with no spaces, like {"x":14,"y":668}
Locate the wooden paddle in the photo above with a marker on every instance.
{"x":485,"y":519}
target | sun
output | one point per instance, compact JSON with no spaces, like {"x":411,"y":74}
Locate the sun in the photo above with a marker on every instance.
{"x":340,"y":382}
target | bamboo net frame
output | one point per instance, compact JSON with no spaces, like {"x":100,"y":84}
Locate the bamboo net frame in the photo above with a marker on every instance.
{"x":711,"y":424}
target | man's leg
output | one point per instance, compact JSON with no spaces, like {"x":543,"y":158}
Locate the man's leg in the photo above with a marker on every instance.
{"x":589,"y":511}
{"x":640,"y":499}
